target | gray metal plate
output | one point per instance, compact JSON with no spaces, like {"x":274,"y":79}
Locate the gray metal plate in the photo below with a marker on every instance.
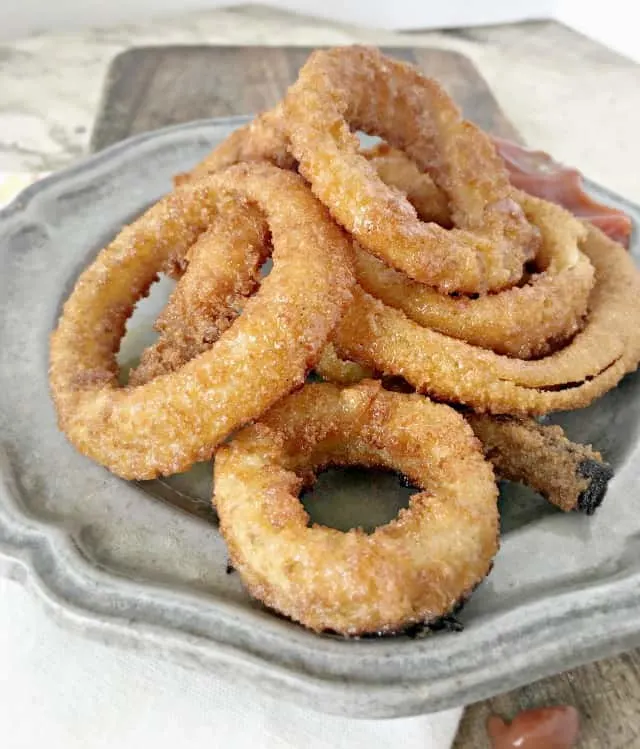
{"x":105,"y":557}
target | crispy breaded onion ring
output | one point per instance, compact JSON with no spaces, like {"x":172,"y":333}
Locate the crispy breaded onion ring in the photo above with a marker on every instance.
{"x":358,"y":88}
{"x":222,"y":270}
{"x":340,"y":371}
{"x":262,"y":139}
{"x":385,"y":339}
{"x":412,"y":570}
{"x":569,"y":475}
{"x":163,"y":427}
{"x":526,"y":321}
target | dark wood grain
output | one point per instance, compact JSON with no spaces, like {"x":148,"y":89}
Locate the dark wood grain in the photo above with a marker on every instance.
{"x":607,"y":695}
{"x":150,"y":87}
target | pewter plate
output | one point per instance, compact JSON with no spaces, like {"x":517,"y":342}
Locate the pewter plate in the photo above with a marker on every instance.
{"x":108,"y":558}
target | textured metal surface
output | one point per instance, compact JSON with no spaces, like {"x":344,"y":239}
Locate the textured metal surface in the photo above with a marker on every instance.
{"x":108,"y":559}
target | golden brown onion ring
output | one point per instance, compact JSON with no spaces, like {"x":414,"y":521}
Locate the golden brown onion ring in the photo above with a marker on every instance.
{"x":171,"y":422}
{"x":358,"y":88}
{"x":414,"y":569}
{"x":569,"y":475}
{"x":340,"y":371}
{"x":222,"y":270}
{"x":525,"y":321}
{"x":378,"y":336}
{"x":262,"y":139}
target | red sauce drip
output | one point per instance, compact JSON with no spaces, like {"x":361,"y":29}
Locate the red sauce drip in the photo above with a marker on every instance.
{"x":543,"y":728}
{"x":538,"y":174}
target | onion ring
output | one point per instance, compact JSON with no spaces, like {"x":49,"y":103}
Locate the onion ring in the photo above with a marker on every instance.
{"x":262,"y":139}
{"x":340,"y":371}
{"x":569,"y":475}
{"x":222,"y":270}
{"x":360,"y":88}
{"x":526,"y":321}
{"x":175,"y":420}
{"x":378,"y":336}
{"x":414,"y":569}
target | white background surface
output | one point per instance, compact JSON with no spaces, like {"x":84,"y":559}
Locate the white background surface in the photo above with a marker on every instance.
{"x":61,"y":691}
{"x":614,"y":22}
{"x":27,"y":16}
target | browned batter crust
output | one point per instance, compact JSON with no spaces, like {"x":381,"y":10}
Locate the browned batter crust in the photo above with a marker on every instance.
{"x":571,"y":476}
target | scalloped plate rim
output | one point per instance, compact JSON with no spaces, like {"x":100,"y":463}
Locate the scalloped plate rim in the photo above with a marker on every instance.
{"x":26,"y":543}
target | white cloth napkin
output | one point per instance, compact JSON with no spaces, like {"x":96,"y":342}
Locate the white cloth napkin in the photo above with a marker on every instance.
{"x":60,"y":690}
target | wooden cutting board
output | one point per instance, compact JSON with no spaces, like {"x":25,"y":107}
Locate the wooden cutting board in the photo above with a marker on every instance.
{"x":151,"y":87}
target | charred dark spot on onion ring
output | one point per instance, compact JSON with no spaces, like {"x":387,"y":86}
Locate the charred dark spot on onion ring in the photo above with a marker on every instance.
{"x":598,"y":474}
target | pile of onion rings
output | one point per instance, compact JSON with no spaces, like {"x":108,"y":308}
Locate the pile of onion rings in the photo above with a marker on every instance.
{"x":425,"y":267}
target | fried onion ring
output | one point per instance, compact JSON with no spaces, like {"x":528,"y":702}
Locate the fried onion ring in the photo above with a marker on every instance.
{"x":262,"y":139}
{"x":569,"y":475}
{"x":385,"y":339}
{"x":222,"y":270}
{"x":526,"y":321}
{"x":357,"y":87}
{"x":166,"y":425}
{"x":414,"y":569}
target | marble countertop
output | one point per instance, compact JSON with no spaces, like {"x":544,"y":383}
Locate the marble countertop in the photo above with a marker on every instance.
{"x":564,"y":93}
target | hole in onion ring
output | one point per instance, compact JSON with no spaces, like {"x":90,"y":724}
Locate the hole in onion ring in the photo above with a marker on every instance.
{"x":351,"y":497}
{"x":140,"y":332}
